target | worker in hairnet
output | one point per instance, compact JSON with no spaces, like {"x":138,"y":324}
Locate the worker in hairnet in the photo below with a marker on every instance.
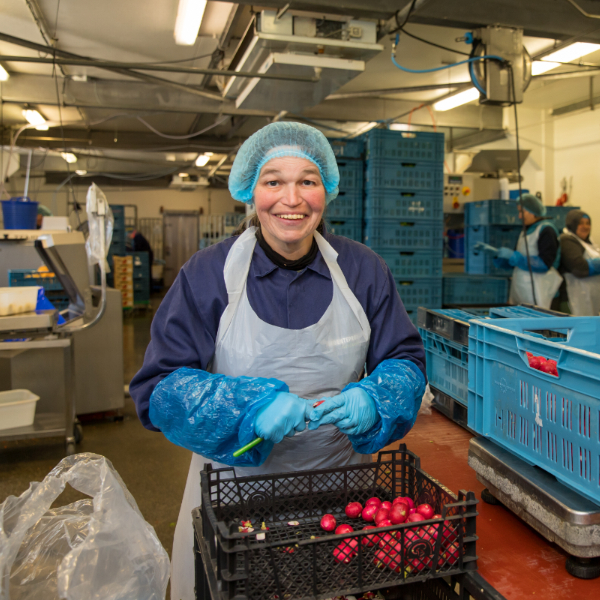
{"x":42,"y":211}
{"x":535,"y":279}
{"x":580,"y":266}
{"x":258,"y":328}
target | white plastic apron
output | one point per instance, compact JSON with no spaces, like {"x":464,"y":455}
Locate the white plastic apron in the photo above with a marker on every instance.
{"x":545,"y":284}
{"x":584,"y":292}
{"x":317,"y":361}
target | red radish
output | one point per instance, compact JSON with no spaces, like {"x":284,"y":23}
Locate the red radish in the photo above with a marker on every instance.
{"x":343,"y":553}
{"x":549,"y":367}
{"x":436,"y":517}
{"x":418,"y":550}
{"x":353,"y":510}
{"x":328,"y":522}
{"x":412,"y":511}
{"x":343,"y":529}
{"x":425,"y":510}
{"x":385,"y":523}
{"x":449,"y":534}
{"x":373,"y":500}
{"x":399,"y":513}
{"x":369,"y":540}
{"x":381,"y":515}
{"x":414,"y":518}
{"x":390,"y":559}
{"x":451,"y":554}
{"x":386,"y":504}
{"x":405,"y":500}
{"x":386,"y":539}
{"x":369,"y":512}
{"x":535,"y":362}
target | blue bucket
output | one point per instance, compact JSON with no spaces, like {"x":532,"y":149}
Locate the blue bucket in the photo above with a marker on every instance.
{"x":19,"y":213}
{"x":456,"y":243}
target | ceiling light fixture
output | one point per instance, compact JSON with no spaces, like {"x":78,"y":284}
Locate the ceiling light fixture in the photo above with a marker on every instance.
{"x":457,"y":100}
{"x":187,"y":24}
{"x":35,"y":118}
{"x":3,"y":74}
{"x":203,"y":159}
{"x":564,"y":55}
{"x":69,"y":157}
{"x":183,"y":175}
{"x":81,"y":172}
{"x":400,"y":127}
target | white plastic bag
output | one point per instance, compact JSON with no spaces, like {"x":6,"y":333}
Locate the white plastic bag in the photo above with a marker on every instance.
{"x":426,"y":402}
{"x":100,"y":224}
{"x":99,"y":548}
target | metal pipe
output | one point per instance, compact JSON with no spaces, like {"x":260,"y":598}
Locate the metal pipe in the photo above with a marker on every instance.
{"x":402,"y":90}
{"x":583,"y":12}
{"x":27,"y":174}
{"x":109,"y":65}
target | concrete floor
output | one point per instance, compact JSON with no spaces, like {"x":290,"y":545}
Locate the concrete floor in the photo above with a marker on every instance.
{"x":153,"y":469}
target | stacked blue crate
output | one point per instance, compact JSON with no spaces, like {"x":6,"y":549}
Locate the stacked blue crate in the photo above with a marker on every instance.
{"x":141,"y":278}
{"x":117,"y":244}
{"x":403,"y":211}
{"x":344,"y":214}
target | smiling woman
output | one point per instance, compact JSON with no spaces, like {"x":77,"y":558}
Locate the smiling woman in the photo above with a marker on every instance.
{"x":258,"y":328}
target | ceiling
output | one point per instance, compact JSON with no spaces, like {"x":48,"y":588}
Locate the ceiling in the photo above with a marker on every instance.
{"x":119,"y":120}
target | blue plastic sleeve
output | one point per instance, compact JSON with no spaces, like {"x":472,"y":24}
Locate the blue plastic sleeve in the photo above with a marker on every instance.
{"x":397,"y":388}
{"x":594,"y":266}
{"x":501,"y":263}
{"x":520,"y":261}
{"x":213,"y":415}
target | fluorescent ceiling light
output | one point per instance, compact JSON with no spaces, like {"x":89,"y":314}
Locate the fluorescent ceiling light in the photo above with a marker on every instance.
{"x":564,"y":55}
{"x":3,"y":74}
{"x":189,"y":17}
{"x":183,"y":175}
{"x":69,"y":157}
{"x":203,"y":159}
{"x":399,"y":127}
{"x":457,"y":100}
{"x":34,"y":118}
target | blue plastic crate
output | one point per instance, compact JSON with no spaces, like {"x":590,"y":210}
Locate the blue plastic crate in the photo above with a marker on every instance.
{"x":420,"y":292}
{"x":492,"y":212}
{"x":31,"y":277}
{"x":347,"y":148}
{"x":351,"y":175}
{"x":558,"y":215}
{"x":447,"y":365}
{"x":481,"y":263}
{"x":551,"y":422}
{"x":396,"y":234}
{"x":405,"y":145}
{"x":348,"y":205}
{"x":350,"y":228}
{"x":520,"y":312}
{"x":396,"y":204}
{"x":413,"y":263}
{"x":471,"y":289}
{"x":403,"y":175}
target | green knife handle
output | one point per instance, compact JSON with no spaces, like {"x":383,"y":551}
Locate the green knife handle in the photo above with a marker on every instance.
{"x":247,"y":447}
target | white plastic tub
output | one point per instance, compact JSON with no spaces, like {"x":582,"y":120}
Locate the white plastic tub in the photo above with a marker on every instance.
{"x":17,"y":408}
{"x":15,"y":300}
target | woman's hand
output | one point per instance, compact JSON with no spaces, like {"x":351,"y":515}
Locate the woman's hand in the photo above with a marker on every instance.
{"x":353,"y":412}
{"x":284,"y":416}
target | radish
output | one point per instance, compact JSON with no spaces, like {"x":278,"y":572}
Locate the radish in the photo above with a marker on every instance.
{"x":353,"y":510}
{"x":535,"y":362}
{"x":343,"y":529}
{"x":391,"y":561}
{"x":418,"y":550}
{"x":369,"y":540}
{"x":343,"y":553}
{"x":549,"y":367}
{"x":328,"y":522}
{"x":414,"y":518}
{"x":436,"y":517}
{"x":451,"y":554}
{"x":369,"y":512}
{"x":425,"y":510}
{"x":386,"y":539}
{"x":399,"y":513}
{"x":385,"y":523}
{"x":449,"y":534}
{"x":405,"y":500}
{"x":380,"y":515}
{"x":412,"y":511}
{"x":386,"y":504}
{"x":373,"y":500}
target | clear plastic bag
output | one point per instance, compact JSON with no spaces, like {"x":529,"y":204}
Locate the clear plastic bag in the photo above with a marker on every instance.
{"x":100,"y":223}
{"x":99,"y":548}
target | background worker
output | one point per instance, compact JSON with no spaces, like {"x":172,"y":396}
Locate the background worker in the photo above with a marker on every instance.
{"x":257,"y":328}
{"x":541,"y":244}
{"x":580,"y":267}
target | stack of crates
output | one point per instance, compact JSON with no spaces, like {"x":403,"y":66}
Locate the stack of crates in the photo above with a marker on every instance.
{"x":403,"y":211}
{"x":141,"y":277}
{"x":497,"y":223}
{"x":53,"y":289}
{"x":123,"y":278}
{"x":344,"y":214}
{"x":117,"y":245}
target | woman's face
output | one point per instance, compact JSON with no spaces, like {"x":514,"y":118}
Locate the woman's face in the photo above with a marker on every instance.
{"x":584,"y":228}
{"x":290,"y":199}
{"x":527,"y":217}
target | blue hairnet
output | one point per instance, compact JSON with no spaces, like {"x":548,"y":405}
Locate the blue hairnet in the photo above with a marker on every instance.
{"x":533,"y":205}
{"x":277,"y":140}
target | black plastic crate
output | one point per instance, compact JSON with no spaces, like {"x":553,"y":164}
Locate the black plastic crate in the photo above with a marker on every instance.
{"x":297,"y":562}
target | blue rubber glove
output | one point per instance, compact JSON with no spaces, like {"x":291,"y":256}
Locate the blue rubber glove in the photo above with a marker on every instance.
{"x":505,"y":253}
{"x":353,"y":412}
{"x":284,"y":416}
{"x":594,"y":264}
{"x":519,"y":260}
{"x":481,"y":247}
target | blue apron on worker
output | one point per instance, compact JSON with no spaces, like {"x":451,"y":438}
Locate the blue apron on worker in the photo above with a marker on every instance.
{"x":315,"y":362}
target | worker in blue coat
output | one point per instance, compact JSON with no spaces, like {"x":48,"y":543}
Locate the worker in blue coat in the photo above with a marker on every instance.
{"x":259,"y":327}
